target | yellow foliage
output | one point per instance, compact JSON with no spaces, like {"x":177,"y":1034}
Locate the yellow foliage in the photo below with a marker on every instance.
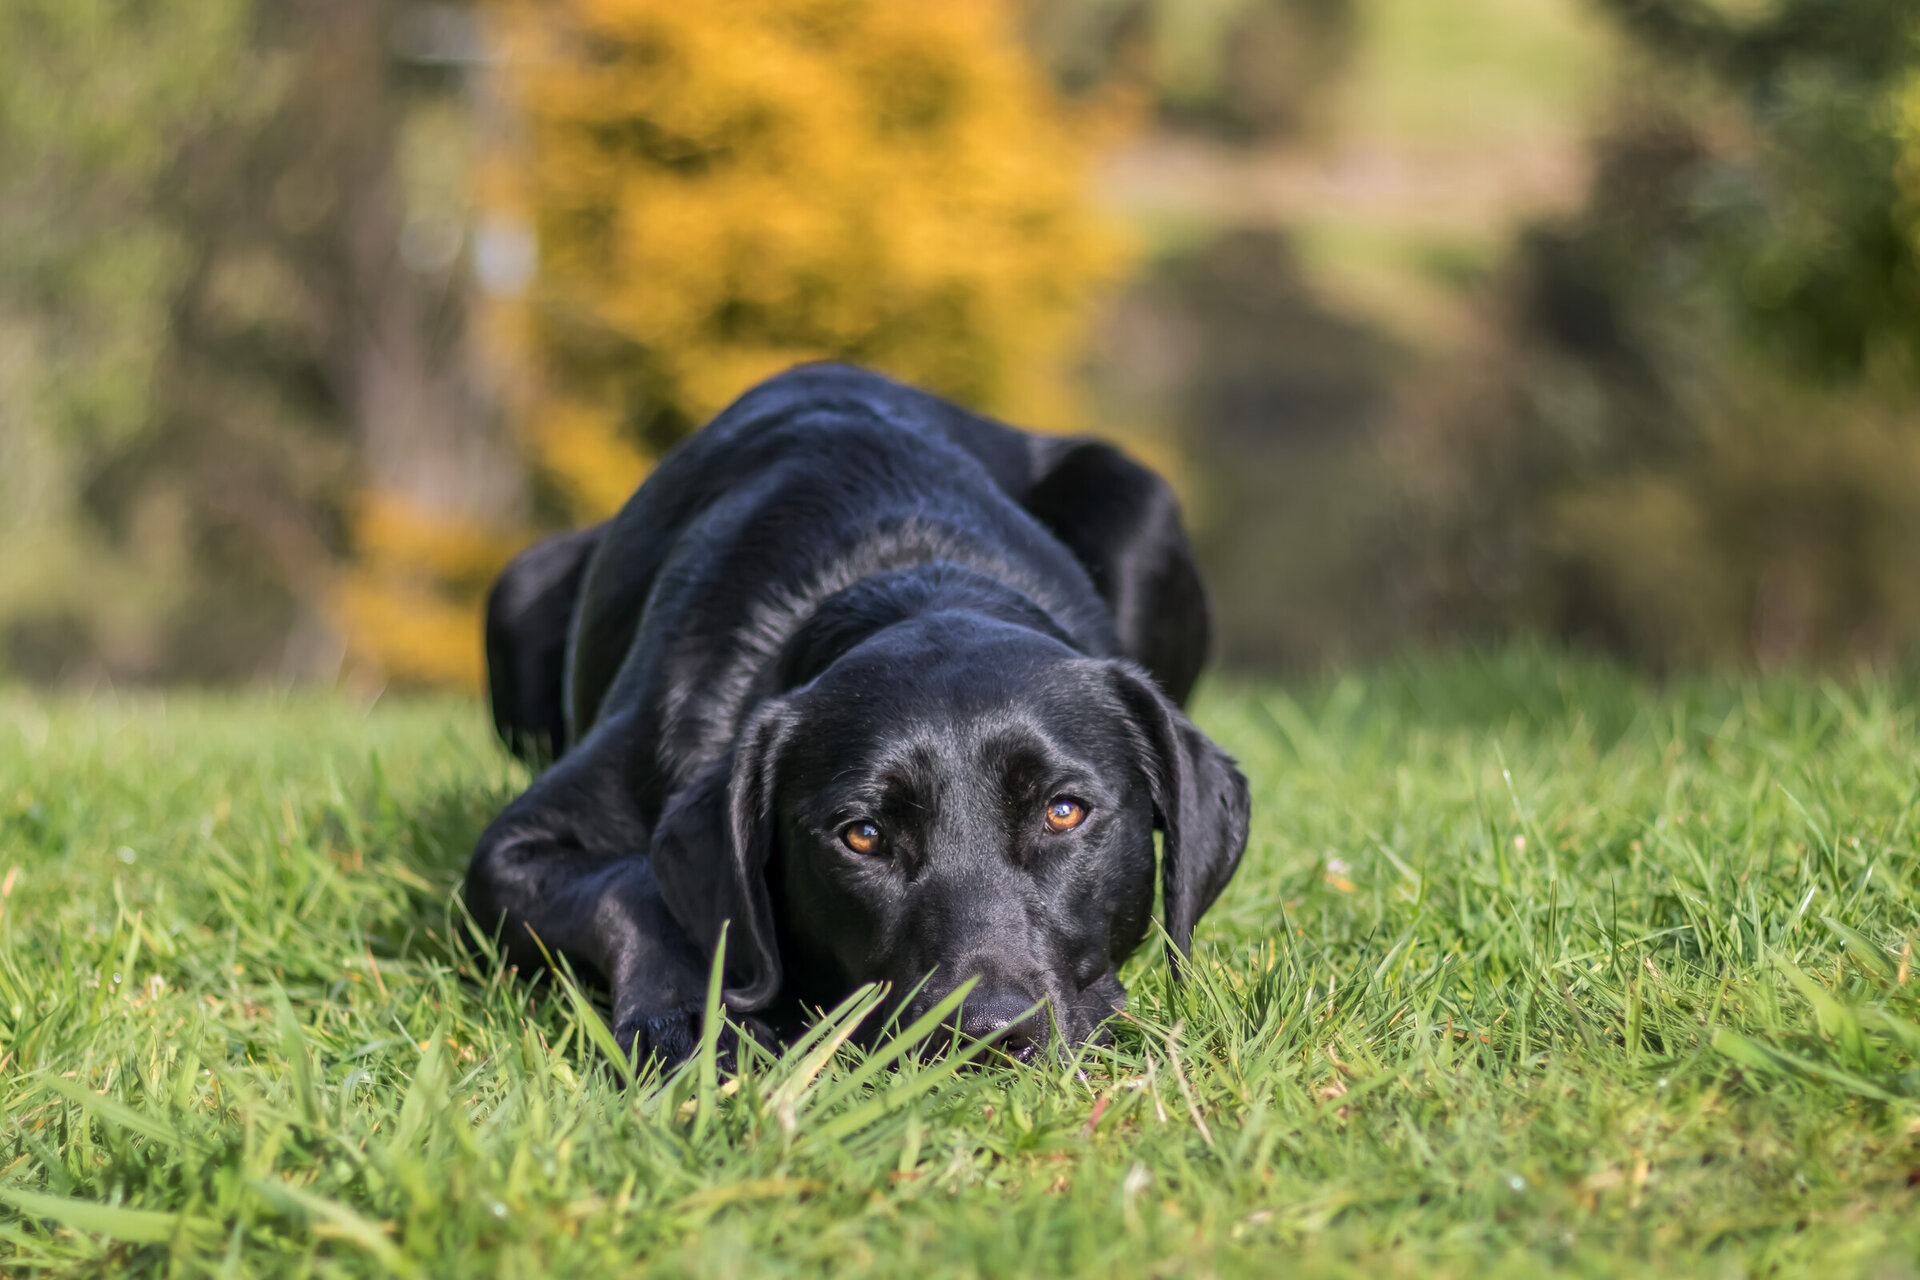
{"x":412,"y":632}
{"x":725,"y":189}
{"x":721,"y":190}
{"x":582,"y":451}
{"x":410,"y":604}
{"x":396,"y":534}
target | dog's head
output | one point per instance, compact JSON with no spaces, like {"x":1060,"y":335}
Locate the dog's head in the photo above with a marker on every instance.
{"x":955,"y":798}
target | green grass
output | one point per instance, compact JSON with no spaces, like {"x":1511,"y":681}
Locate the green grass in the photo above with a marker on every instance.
{"x":1529,"y":966}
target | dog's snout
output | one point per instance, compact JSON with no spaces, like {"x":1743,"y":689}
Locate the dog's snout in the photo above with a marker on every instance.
{"x":1021,"y":1027}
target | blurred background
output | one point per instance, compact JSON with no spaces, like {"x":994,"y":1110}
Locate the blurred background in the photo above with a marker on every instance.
{"x":1593,"y":320}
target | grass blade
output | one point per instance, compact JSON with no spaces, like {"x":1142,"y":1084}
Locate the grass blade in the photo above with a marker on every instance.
{"x":335,"y":1221}
{"x":136,"y":1226}
{"x":111,"y":1110}
{"x":902,"y":1042}
{"x":709,"y":1055}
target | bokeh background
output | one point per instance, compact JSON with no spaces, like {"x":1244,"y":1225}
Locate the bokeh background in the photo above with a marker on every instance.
{"x":1592,"y":320}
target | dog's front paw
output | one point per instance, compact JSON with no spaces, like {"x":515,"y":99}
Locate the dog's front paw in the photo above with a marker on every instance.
{"x":670,"y":1036}
{"x":674,"y":1036}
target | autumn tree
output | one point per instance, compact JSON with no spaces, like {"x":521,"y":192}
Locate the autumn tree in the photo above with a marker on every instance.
{"x":719,"y":191}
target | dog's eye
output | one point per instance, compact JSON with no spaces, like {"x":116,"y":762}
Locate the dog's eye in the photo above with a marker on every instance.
{"x":1064,"y":814}
{"x":861,"y":837}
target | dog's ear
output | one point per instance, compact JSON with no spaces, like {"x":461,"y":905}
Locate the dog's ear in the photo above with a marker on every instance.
{"x":710,"y":852}
{"x":1200,"y":803}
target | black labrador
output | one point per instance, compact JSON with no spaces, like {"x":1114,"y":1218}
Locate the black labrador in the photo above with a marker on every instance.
{"x":892,"y":688}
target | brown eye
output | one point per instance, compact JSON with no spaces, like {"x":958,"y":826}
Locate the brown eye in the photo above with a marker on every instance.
{"x":1064,"y":814}
{"x":861,"y":837}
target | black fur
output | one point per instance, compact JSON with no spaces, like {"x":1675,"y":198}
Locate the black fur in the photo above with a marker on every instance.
{"x":846,"y":600}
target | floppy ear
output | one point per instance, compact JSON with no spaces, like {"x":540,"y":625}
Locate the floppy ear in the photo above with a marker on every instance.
{"x":1200,"y":802}
{"x":709,"y":855}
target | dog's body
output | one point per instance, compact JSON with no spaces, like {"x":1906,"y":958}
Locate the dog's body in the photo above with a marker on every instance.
{"x":855,"y":670}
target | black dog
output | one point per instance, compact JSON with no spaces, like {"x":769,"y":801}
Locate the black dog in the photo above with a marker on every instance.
{"x":891,"y":687}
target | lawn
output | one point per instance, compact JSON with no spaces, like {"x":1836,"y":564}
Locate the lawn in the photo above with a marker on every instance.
{"x":1532,"y":964}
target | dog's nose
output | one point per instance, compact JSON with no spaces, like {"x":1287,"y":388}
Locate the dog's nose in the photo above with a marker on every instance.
{"x":1022,"y":1027}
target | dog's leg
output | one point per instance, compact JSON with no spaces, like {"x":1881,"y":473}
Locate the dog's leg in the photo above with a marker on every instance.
{"x":1122,"y":523}
{"x":564,"y":868}
{"x":528,"y":614}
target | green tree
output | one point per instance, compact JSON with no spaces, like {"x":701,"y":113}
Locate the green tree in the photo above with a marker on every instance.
{"x":1243,"y":70}
{"x":1689,"y":435}
{"x":96,"y":98}
{"x":1807,"y":226}
{"x":232,"y":311}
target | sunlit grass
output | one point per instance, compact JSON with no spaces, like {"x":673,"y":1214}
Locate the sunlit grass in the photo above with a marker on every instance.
{"x":1530,"y":965}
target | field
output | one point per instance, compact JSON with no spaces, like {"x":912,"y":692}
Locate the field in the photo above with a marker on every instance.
{"x":1531,"y":965}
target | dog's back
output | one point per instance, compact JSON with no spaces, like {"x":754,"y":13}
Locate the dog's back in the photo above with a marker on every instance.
{"x":802,"y":480}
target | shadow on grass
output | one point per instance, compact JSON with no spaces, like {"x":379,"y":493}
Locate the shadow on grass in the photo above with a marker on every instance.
{"x":440,"y":832}
{"x":423,"y":843}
